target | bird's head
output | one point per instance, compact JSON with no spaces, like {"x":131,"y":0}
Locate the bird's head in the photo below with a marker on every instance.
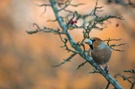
{"x":94,"y":42}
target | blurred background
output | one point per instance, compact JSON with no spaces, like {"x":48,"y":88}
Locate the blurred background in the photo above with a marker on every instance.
{"x":26,"y":60}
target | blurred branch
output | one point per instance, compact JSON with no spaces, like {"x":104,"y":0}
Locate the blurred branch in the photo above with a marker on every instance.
{"x":122,"y":2}
{"x":128,"y":79}
{"x":107,"y":86}
{"x":130,"y":71}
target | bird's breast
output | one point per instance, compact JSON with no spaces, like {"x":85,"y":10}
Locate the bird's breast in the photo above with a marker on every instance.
{"x":101,"y":55}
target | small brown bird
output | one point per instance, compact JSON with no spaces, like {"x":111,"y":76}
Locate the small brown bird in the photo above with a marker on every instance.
{"x":101,"y":53}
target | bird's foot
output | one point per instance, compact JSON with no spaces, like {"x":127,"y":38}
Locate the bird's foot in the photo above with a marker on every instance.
{"x":107,"y":68}
{"x":100,"y":66}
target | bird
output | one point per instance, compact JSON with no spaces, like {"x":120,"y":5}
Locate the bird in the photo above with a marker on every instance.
{"x":100,"y":52}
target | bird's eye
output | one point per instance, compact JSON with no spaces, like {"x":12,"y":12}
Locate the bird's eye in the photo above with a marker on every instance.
{"x":93,"y":40}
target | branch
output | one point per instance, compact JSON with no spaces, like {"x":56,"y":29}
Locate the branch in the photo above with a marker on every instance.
{"x":46,"y":30}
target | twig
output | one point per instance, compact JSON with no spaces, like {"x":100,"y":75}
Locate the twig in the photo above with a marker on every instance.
{"x":109,"y":40}
{"x":128,"y":79}
{"x":82,"y":64}
{"x":107,"y":86}
{"x":130,"y":71}
{"x":66,"y":60}
{"x":115,"y":45}
{"x":76,"y":5}
{"x":52,"y":20}
{"x":68,"y":3}
{"x":117,"y":49}
{"x":94,"y":71}
{"x":45,"y":29}
{"x":45,"y":5}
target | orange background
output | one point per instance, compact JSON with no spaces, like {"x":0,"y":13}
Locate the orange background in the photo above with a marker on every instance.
{"x":25,"y":60}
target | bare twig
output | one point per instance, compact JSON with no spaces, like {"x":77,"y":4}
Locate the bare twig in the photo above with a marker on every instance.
{"x":76,"y":5}
{"x":119,"y":50}
{"x":107,"y":86}
{"x":68,"y":3}
{"x":115,"y":45}
{"x":52,"y":20}
{"x":45,"y":5}
{"x":82,"y":64}
{"x":66,"y":60}
{"x":130,"y":71}
{"x":109,"y":39}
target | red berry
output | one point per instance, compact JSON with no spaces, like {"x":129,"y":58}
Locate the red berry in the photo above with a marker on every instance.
{"x":72,"y":22}
{"x":75,"y":21}
{"x":117,"y":25}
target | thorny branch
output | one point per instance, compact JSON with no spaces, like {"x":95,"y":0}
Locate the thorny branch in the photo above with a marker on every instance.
{"x":86,"y":26}
{"x":46,"y":30}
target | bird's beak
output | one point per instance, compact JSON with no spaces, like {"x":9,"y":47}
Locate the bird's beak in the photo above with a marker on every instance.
{"x":91,"y":46}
